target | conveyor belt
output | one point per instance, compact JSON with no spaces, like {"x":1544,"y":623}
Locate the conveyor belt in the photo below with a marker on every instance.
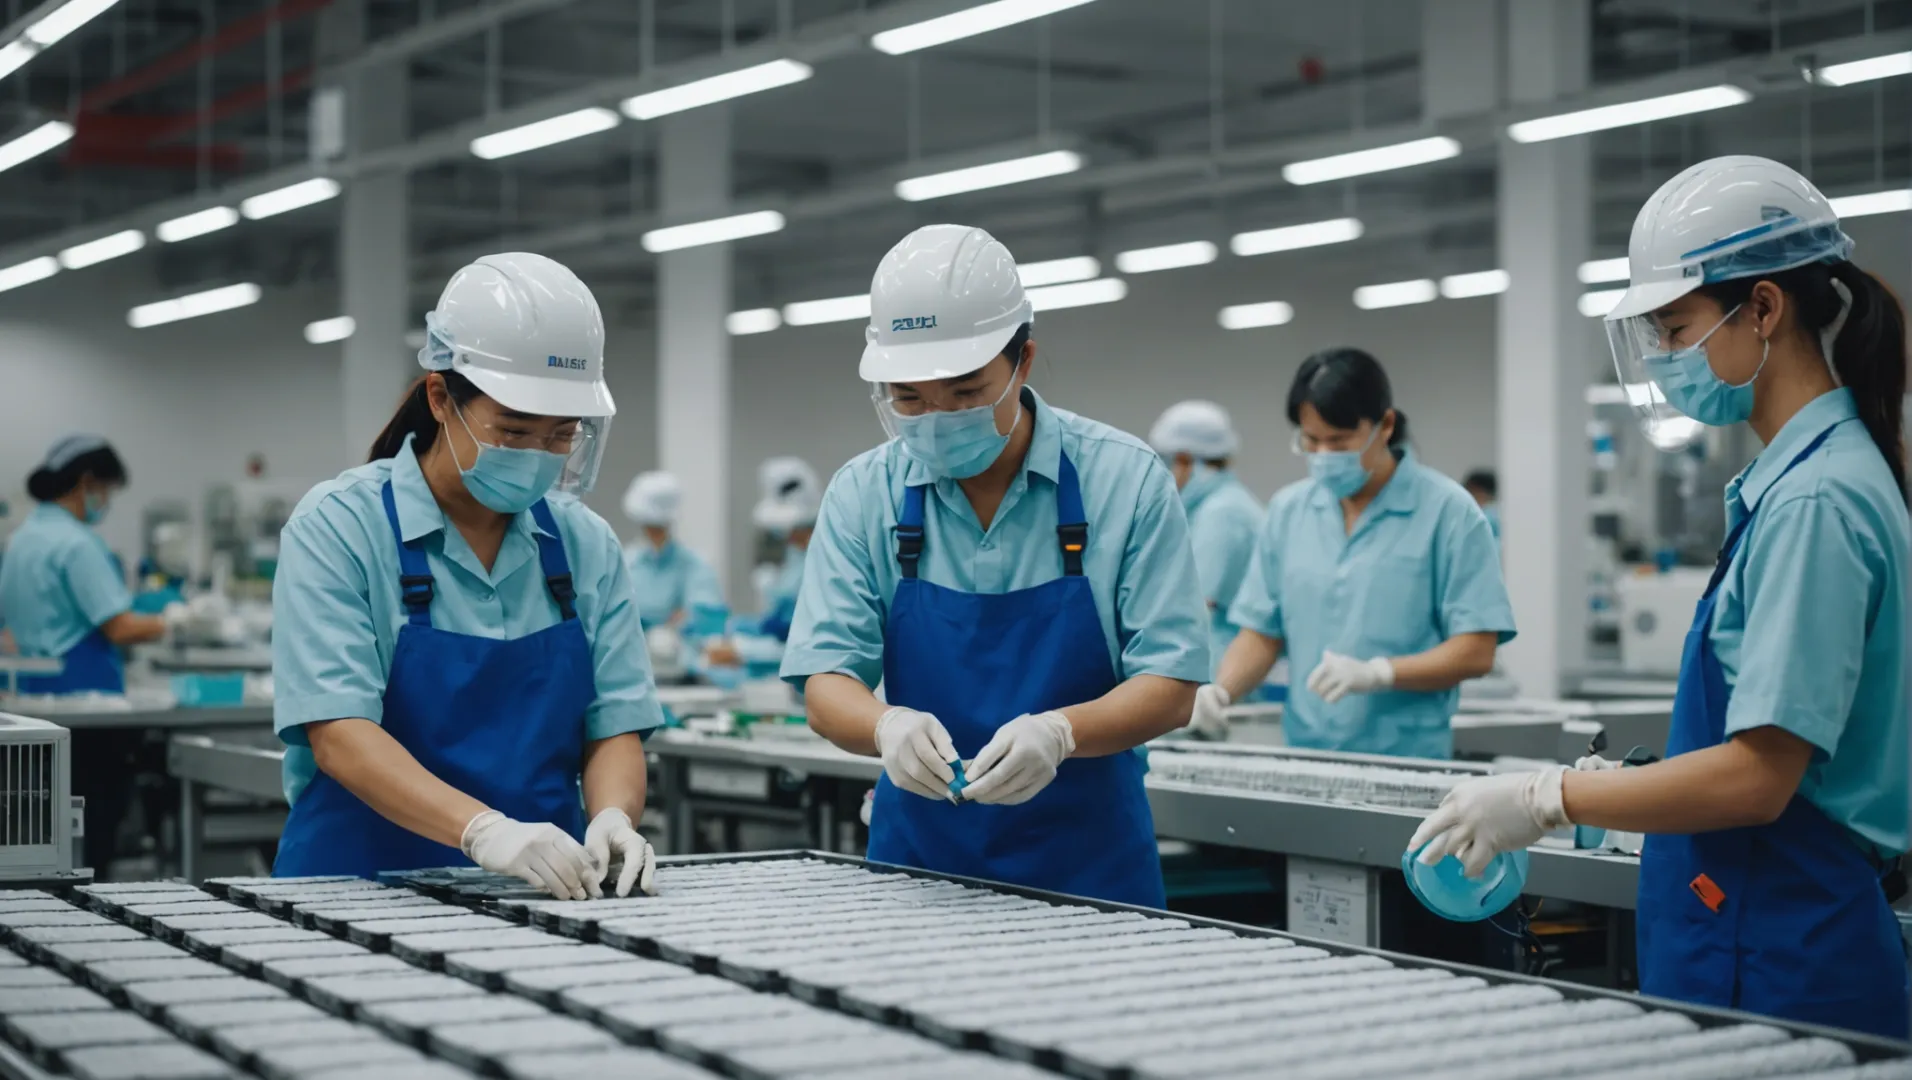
{"x":787,"y":966}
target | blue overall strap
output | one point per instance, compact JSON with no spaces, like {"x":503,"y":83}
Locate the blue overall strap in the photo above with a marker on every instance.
{"x":1732,"y":538}
{"x":1072,"y":528}
{"x":557,"y":569}
{"x":414,"y":573}
{"x":909,"y":532}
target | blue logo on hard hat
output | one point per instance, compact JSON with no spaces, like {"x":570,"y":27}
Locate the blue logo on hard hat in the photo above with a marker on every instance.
{"x":914,"y":322}
{"x":572,"y":362}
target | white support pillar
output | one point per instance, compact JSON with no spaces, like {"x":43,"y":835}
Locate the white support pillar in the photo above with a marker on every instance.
{"x":374,"y":247}
{"x":1462,"y":70}
{"x":693,"y":348}
{"x":1546,"y":352}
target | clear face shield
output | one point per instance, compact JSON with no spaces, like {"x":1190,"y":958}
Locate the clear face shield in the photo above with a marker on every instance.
{"x":1645,"y":357}
{"x":579,"y":442}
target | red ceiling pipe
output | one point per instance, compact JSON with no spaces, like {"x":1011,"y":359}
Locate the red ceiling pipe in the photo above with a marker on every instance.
{"x":227,"y":38}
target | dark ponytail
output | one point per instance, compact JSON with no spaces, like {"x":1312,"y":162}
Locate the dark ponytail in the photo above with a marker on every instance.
{"x":414,"y":416}
{"x":1346,"y":386}
{"x":100,"y":463}
{"x":1870,"y":352}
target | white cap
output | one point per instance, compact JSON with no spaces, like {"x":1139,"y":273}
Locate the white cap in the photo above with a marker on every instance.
{"x":944,"y":302}
{"x":1691,"y":230}
{"x":791,"y":494}
{"x":1197,"y":428}
{"x":526,"y":332}
{"x":653,"y":498}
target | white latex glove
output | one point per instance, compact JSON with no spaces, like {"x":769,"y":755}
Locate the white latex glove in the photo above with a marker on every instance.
{"x":175,"y":615}
{"x":1208,"y":720}
{"x":540,"y":853}
{"x":1338,"y":676}
{"x":209,"y":607}
{"x":1595,"y":763}
{"x":916,"y":752}
{"x":1020,"y":759}
{"x":611,"y":836}
{"x":1482,"y":817}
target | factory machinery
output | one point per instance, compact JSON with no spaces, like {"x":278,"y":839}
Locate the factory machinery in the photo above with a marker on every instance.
{"x":793,"y":965}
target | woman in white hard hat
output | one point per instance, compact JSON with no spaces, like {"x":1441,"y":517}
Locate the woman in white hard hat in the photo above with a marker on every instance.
{"x":1017,"y":577}
{"x":787,"y":510}
{"x":1377,"y":576}
{"x":457,"y":654}
{"x":1198,"y":442}
{"x":671,"y":580}
{"x":1781,"y":806}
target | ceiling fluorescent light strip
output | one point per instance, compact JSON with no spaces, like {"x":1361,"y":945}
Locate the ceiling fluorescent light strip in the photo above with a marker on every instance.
{"x":292,"y":197}
{"x":124,"y":242}
{"x":969,"y":22}
{"x":1057,"y":271}
{"x":1078,"y":294}
{"x":1396,"y":294}
{"x":753,"y":321}
{"x":1478,"y":283}
{"x":1597,"y":303}
{"x":196,"y":224}
{"x":48,"y":136}
{"x":28,"y":272}
{"x":325,"y":331}
{"x":1379,"y":159}
{"x":995,"y":174}
{"x":1295,"y":237}
{"x":715,"y":231}
{"x":1858,"y":71}
{"x":1876,"y":202}
{"x":50,"y":28}
{"x":1600,"y":271}
{"x":1166,"y":257}
{"x":548,"y":132}
{"x":832,"y":309}
{"x":1251,"y":316}
{"x":1627,"y":113}
{"x":192,"y":305}
{"x":731,"y":84}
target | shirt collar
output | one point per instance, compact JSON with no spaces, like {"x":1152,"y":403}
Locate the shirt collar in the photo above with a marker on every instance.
{"x":1820,"y":413}
{"x":52,"y":511}
{"x":1045,"y":448}
{"x":1398,"y":496}
{"x":418,"y":511}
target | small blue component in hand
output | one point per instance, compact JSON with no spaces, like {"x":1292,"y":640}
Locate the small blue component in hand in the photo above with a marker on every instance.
{"x":957,"y":785}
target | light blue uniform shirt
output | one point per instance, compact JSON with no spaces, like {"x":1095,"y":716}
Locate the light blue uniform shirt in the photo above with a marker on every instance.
{"x":1421,"y":567}
{"x":670,"y":581}
{"x":58,"y":583}
{"x":337,"y":611}
{"x":1222,"y":524}
{"x":1810,"y":621}
{"x":1138,"y":561}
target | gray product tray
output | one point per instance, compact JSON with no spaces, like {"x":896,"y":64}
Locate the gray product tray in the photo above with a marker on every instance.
{"x":248,"y":959}
{"x":167,"y":1061}
{"x":488,"y":967}
{"x":343,"y":994}
{"x":428,"y":949}
{"x":409,"y":1021}
{"x":376,"y":932}
{"x":292,"y":974}
{"x":480,"y":1047}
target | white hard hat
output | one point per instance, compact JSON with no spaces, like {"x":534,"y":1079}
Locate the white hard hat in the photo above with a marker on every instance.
{"x":653,"y":498}
{"x":1197,"y":428}
{"x":1730,"y":217}
{"x":791,"y":494}
{"x":944,"y":302}
{"x":526,"y":332}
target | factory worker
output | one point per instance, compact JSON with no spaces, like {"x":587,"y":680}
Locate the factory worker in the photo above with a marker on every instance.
{"x":1017,"y":577}
{"x":670,"y":579}
{"x":1377,"y":575}
{"x":787,"y":510}
{"x":1197,"y":441}
{"x":1485,"y":488}
{"x":1782,"y":801}
{"x":458,"y":655}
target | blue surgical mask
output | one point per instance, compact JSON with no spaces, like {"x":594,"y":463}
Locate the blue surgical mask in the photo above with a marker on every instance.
{"x":95,"y":505}
{"x":1202,"y":482}
{"x":506,"y":479}
{"x":1688,"y":382}
{"x":1341,"y":471}
{"x":958,"y":444}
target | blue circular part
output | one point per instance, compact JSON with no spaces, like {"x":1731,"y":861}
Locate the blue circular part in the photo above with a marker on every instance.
{"x":1447,"y":891}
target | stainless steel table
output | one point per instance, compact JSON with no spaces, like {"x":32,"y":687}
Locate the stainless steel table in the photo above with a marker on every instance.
{"x":244,"y":763}
{"x":175,"y":719}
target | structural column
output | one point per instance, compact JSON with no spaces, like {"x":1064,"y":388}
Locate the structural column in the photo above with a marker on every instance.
{"x":374,"y":242}
{"x":1548,"y":353}
{"x":693,"y":348}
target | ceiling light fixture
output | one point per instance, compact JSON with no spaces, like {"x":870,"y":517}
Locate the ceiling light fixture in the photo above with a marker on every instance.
{"x":28,"y":272}
{"x":1396,"y":294}
{"x":995,"y":174}
{"x":124,"y":242}
{"x":325,"y":331}
{"x":1599,"y":302}
{"x":1478,"y":283}
{"x":1056,"y":271}
{"x":50,"y":28}
{"x":1166,"y":257}
{"x":1294,"y":237}
{"x":754,"y":321}
{"x":966,"y":23}
{"x":1251,"y":316}
{"x":196,"y":224}
{"x":192,"y":305}
{"x":1627,"y":113}
{"x":292,"y":197}
{"x":731,"y":84}
{"x":1858,"y":71}
{"x":833,"y":309}
{"x":1875,"y":202}
{"x":542,"y":133}
{"x":48,"y":136}
{"x":1379,"y":159}
{"x":714,"y":231}
{"x":1600,"y":271}
{"x":1078,"y":294}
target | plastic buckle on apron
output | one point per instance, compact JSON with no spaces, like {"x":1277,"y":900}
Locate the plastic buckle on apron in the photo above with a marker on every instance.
{"x":1709,"y":893}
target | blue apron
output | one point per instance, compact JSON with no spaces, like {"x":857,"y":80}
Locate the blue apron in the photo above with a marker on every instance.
{"x":93,"y":664}
{"x":1786,"y":920}
{"x":502,"y":721}
{"x":979,"y":660}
